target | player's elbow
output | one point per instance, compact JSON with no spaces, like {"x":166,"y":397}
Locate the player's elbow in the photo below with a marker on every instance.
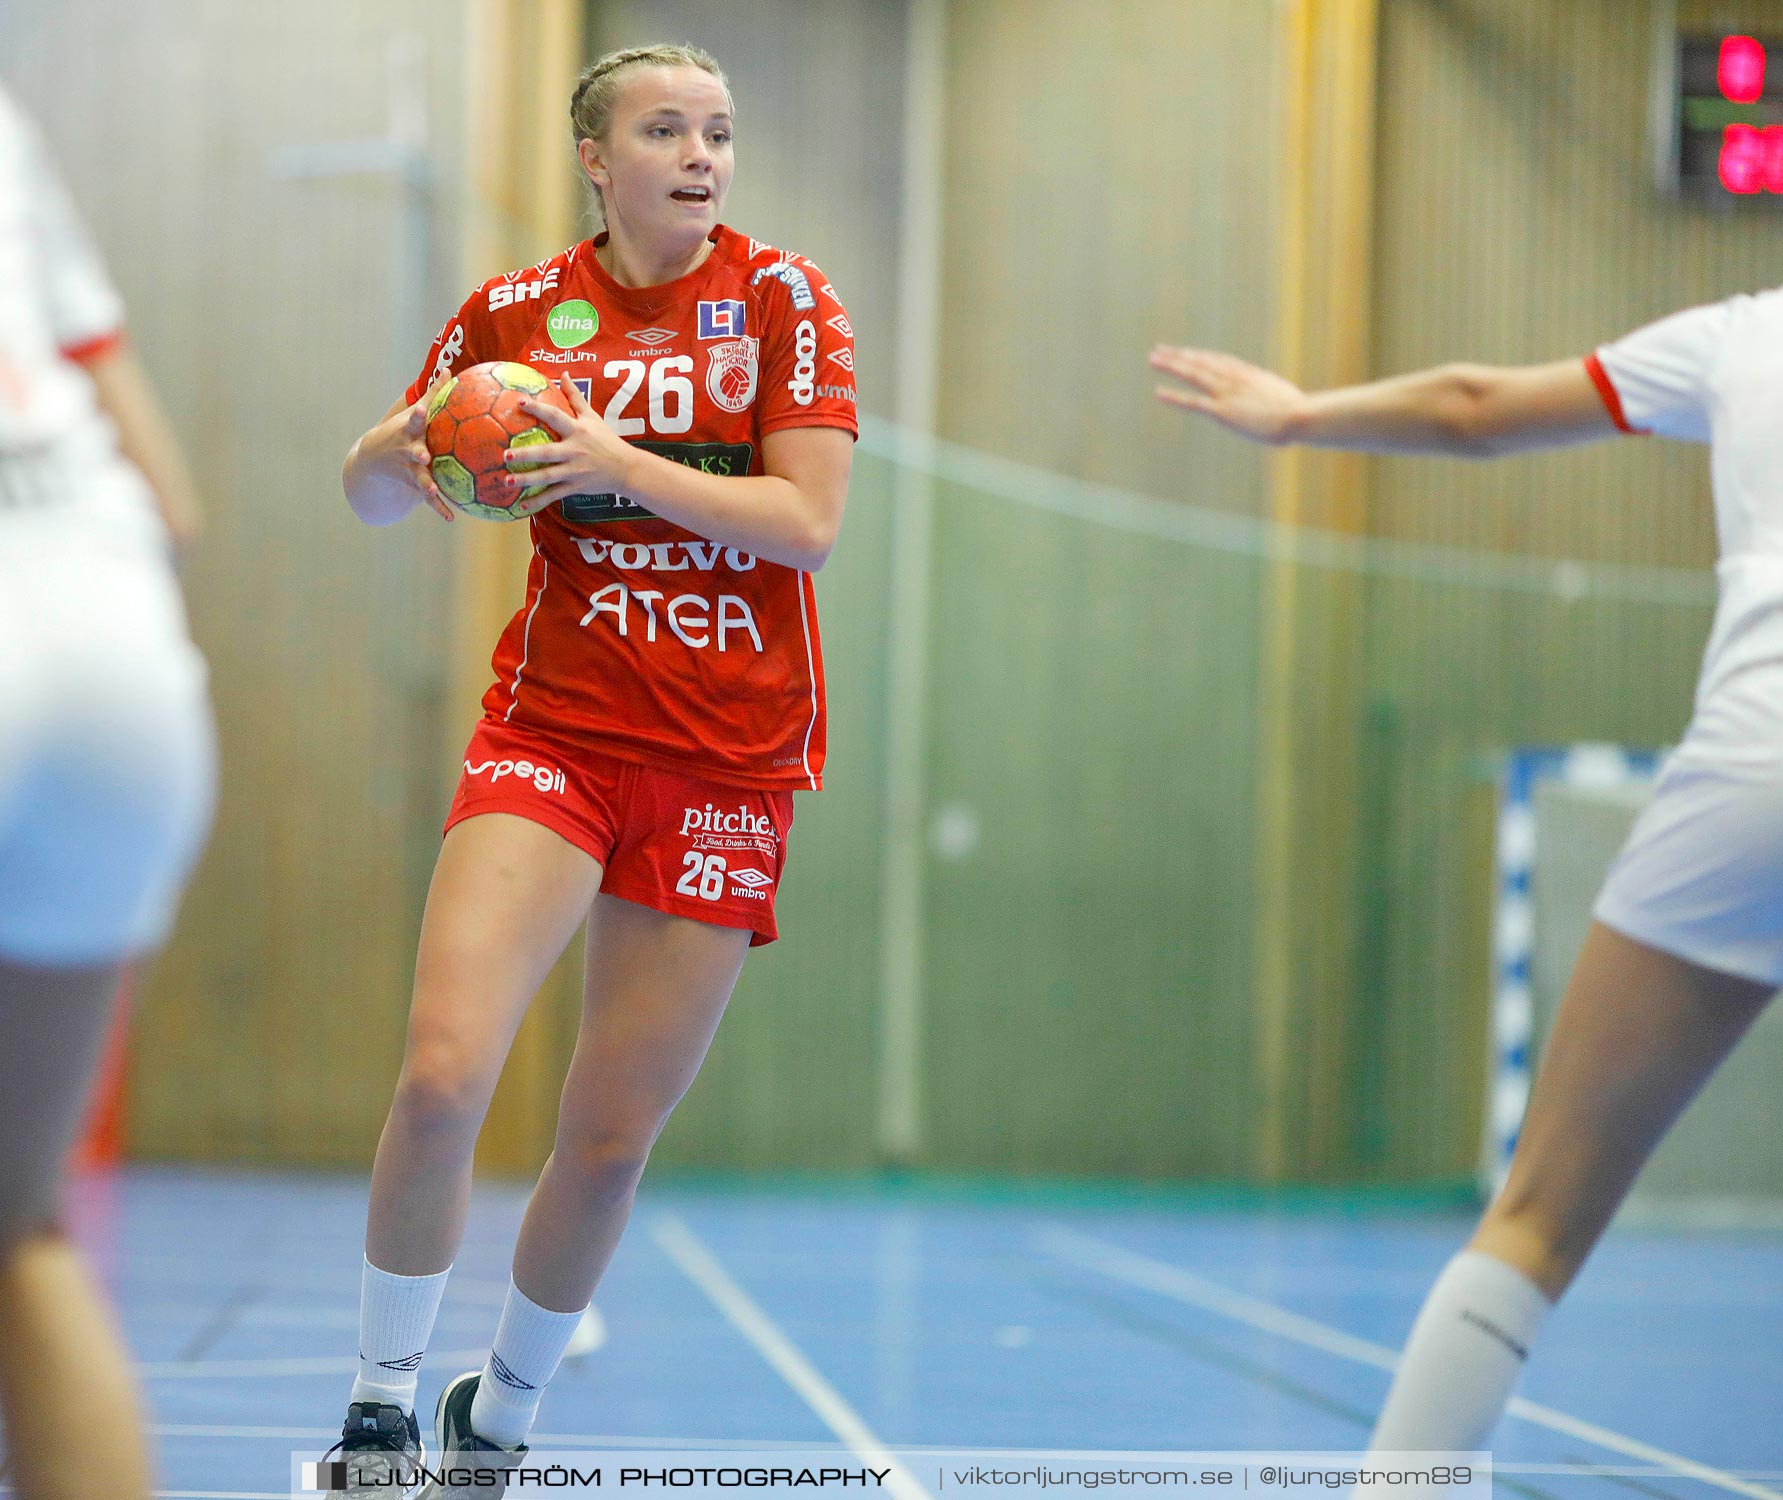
{"x":816,"y":537}
{"x":1471,"y":411}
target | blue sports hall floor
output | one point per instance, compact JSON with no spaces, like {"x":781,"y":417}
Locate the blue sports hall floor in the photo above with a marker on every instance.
{"x":938,"y":1315}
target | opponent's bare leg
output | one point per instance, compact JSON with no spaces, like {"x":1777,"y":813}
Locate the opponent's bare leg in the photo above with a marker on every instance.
{"x":55,"y":1333}
{"x":1638,"y":1034}
{"x":656,"y":987}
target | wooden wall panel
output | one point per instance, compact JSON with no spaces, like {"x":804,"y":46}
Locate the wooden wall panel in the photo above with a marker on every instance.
{"x":1109,"y":183}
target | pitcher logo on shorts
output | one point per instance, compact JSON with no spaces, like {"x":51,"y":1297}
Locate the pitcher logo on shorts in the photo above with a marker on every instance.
{"x":713,"y":827}
{"x":545,"y":778}
{"x":730,"y":377}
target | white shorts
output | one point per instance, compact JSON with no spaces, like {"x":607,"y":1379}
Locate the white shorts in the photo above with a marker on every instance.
{"x":1701,"y":875}
{"x":107,"y":751}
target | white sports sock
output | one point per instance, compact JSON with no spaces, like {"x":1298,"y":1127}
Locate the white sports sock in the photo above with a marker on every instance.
{"x":396,"y":1316}
{"x":1463,"y":1358}
{"x":529,"y":1345}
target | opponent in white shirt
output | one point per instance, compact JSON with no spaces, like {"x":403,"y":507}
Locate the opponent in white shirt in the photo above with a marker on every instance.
{"x":1687,"y":943}
{"x":106,"y":785}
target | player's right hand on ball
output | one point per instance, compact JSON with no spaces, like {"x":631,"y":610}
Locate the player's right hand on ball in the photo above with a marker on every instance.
{"x":414,"y":441}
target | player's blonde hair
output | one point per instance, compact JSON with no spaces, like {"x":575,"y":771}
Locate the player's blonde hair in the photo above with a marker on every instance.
{"x":597,"y":90}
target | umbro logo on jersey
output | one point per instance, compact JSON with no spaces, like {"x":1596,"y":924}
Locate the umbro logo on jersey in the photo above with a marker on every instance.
{"x":651,"y":336}
{"x":844,"y":357}
{"x":722,"y":320}
{"x":840,"y":323}
{"x":754,"y":879}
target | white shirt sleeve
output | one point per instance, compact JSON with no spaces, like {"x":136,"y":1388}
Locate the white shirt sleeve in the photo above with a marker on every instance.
{"x":1662,"y":376}
{"x":83,"y":306}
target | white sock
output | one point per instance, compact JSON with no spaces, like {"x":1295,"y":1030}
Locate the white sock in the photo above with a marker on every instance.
{"x":529,"y":1345}
{"x":1463,"y":1358}
{"x":396,"y":1316}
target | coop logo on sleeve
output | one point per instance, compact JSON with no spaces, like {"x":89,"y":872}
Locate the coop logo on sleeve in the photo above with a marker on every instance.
{"x":722,"y":320}
{"x":572,"y":323}
{"x":803,"y":384}
{"x":730,"y":377}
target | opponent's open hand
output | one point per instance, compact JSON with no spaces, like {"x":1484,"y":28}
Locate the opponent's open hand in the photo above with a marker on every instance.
{"x":1245,"y":398}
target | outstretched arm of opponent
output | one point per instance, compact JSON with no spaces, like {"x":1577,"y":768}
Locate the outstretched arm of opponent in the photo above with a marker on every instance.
{"x":386,"y":474}
{"x":789,"y":515}
{"x":146,"y":439}
{"x":1464,"y":411}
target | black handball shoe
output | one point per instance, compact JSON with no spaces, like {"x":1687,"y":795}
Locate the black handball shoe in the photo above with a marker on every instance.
{"x":461,"y":1452}
{"x":379,"y":1445}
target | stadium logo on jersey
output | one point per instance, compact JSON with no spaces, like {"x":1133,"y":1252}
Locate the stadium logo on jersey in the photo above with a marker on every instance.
{"x":651,"y":336}
{"x":572,"y":324}
{"x":730,"y":377}
{"x":793,"y":279}
{"x":545,"y":778}
{"x":721,"y":320}
{"x":520,"y":291}
{"x":840,"y":323}
{"x":845,"y":358}
{"x":449,"y":351}
{"x":804,"y":373}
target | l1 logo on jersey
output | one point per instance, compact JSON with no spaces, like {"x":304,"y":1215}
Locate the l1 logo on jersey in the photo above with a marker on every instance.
{"x":722,"y":320}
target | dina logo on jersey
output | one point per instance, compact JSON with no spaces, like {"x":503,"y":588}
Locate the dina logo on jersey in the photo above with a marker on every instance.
{"x":722,"y":320}
{"x":730,"y":377}
{"x":572,"y":324}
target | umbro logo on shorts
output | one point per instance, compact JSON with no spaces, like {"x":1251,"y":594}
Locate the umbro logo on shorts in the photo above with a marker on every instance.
{"x":754,"y":879}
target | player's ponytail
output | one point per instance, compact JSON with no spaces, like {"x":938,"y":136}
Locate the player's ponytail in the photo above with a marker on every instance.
{"x":597,"y":89}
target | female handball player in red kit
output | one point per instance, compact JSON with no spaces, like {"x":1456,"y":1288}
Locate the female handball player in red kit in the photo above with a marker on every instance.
{"x":658,"y":697}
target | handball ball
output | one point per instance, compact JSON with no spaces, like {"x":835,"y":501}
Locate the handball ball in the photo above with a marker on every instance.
{"x":472,"y":420}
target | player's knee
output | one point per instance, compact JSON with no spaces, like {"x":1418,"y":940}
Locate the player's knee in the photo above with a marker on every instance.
{"x":605,"y":1168}
{"x":443,"y":1093}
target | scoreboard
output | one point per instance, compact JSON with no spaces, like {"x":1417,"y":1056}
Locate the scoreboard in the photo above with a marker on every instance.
{"x":1725,"y":134}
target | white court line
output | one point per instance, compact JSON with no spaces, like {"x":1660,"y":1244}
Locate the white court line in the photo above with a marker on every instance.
{"x":701,"y":1268}
{"x":1170,"y":1281}
{"x":274,"y":1369}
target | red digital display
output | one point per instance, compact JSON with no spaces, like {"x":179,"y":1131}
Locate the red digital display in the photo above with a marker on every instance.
{"x":1724,"y":118}
{"x":1741,"y":73}
{"x":1751,"y":155}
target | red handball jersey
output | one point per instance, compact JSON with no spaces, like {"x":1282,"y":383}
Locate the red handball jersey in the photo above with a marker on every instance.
{"x":637,"y":635}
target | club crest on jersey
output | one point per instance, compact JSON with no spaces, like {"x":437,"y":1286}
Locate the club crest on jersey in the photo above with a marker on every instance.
{"x":731,"y":374}
{"x":795,"y":281}
{"x":722,"y":320}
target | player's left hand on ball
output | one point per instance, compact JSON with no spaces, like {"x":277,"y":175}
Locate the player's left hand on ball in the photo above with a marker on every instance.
{"x":1249,"y":400}
{"x":588,"y":458}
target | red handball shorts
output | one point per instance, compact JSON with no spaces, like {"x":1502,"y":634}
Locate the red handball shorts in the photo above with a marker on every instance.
{"x":674,"y":843}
